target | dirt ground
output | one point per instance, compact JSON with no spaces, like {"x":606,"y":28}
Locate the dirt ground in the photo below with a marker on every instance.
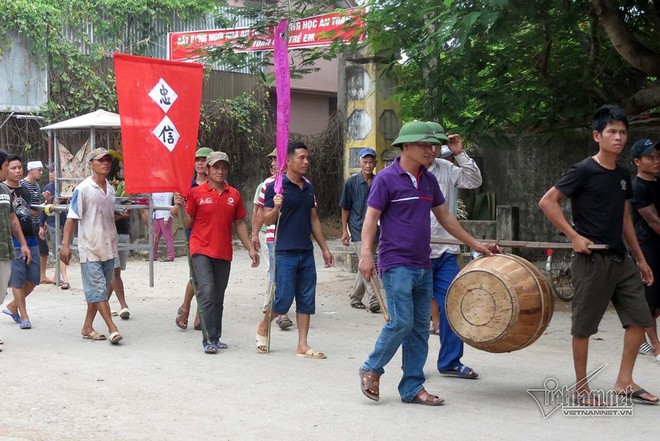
{"x":159,"y":385}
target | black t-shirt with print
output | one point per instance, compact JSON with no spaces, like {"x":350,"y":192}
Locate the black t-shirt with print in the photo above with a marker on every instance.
{"x":645,"y":193}
{"x":21,"y":201}
{"x":598,"y":197}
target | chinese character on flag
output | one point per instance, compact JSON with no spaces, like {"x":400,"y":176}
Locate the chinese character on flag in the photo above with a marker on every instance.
{"x":159,"y":105}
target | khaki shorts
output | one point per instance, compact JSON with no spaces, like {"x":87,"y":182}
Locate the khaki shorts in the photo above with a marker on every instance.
{"x":599,"y":278}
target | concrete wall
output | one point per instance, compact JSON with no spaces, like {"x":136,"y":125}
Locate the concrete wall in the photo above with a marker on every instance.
{"x":309,"y":112}
{"x":520,"y":169}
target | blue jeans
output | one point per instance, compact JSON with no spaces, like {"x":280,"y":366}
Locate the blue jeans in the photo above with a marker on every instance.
{"x":408,"y":292}
{"x":445,"y":269}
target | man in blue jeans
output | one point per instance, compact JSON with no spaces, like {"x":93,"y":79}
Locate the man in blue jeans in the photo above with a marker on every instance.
{"x":462,"y":173}
{"x":401,"y":197}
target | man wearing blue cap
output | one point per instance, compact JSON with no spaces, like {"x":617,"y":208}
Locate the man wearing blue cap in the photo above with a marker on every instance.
{"x":646,"y":206}
{"x":353,"y":203}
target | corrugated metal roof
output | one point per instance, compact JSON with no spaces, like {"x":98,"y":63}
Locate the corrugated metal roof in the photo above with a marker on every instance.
{"x":152,"y":41}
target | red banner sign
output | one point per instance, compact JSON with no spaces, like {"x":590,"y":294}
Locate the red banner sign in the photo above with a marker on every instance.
{"x":159,"y":105}
{"x":320,"y":30}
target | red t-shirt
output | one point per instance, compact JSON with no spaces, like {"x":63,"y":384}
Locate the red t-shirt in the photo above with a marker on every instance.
{"x":213,"y":214}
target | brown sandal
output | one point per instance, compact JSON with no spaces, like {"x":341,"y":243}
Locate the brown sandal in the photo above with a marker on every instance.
{"x":430,"y":400}
{"x":370,"y":384}
{"x":182,"y":318}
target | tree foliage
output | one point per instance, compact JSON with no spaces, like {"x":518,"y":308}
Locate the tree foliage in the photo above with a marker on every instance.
{"x":57,"y":33}
{"x":509,"y":64}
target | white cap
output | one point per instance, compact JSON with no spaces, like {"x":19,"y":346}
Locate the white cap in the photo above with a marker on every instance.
{"x":34,"y":164}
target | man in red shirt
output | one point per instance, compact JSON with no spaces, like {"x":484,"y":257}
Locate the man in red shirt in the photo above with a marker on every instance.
{"x":211,"y":210}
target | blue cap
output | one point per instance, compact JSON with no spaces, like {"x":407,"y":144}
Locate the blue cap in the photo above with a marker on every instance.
{"x":367,"y":152}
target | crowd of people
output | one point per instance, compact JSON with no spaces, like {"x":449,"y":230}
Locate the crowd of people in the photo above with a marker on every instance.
{"x":389,"y":216}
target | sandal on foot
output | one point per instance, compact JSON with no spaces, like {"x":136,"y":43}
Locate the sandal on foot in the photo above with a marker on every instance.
{"x":311,"y":353}
{"x":210,"y":348}
{"x":358,"y":305}
{"x":182,"y":318}
{"x":115,"y":338}
{"x":636,"y":397}
{"x":221,"y":345}
{"x":645,"y":349}
{"x":124,"y":314}
{"x":262,"y":343}
{"x":93,"y":336}
{"x":65,"y":285}
{"x":26,"y":325}
{"x":460,"y":372}
{"x":434,"y":329}
{"x":370,"y":384}
{"x":14,"y":315}
{"x":430,"y":400}
{"x":284,"y":323}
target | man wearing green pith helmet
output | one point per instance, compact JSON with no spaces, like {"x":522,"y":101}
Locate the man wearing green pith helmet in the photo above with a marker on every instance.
{"x":199,"y":177}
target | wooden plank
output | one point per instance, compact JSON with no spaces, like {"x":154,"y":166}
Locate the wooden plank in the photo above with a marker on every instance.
{"x":517,"y":243}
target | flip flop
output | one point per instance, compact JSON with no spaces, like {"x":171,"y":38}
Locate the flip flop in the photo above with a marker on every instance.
{"x":115,"y":338}
{"x":15,"y":316}
{"x":221,"y":345}
{"x":358,"y":305}
{"x":125,"y":314}
{"x":460,"y":372}
{"x":65,"y":285}
{"x":93,"y":336}
{"x":636,"y":397}
{"x":26,"y":325}
{"x":311,"y":353}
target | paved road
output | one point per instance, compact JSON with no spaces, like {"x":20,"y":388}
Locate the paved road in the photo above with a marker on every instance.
{"x":158,"y":385}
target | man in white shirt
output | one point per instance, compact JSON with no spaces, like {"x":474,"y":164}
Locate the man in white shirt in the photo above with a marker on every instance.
{"x":92,"y":209}
{"x":464,"y":173}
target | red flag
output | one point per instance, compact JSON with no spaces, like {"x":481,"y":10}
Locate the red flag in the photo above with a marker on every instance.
{"x":159,"y":105}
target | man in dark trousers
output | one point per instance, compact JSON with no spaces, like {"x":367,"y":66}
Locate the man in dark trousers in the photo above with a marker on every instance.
{"x":353,"y":203}
{"x":646,"y":206}
{"x":600,"y":191}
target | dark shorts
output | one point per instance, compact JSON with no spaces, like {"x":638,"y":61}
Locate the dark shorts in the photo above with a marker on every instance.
{"x":295,"y":278}
{"x":43,"y":247}
{"x":600,"y":278}
{"x":652,"y":255}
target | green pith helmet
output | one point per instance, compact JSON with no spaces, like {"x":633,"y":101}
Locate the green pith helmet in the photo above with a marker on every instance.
{"x":415,"y":131}
{"x":438,"y":130}
{"x":203,"y":152}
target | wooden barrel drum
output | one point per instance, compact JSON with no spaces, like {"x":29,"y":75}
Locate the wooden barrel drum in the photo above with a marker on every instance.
{"x":499,"y":303}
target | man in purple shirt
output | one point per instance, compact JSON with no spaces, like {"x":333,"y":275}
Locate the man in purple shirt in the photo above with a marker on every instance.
{"x":401,"y":197}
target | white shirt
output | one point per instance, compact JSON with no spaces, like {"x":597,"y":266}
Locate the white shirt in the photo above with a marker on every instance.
{"x":95,"y":211}
{"x":464,"y":174}
{"x":162,"y":200}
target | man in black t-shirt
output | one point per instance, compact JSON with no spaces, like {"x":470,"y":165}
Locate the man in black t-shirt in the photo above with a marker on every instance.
{"x":646,"y":206}
{"x":25,"y":274}
{"x":600,"y":191}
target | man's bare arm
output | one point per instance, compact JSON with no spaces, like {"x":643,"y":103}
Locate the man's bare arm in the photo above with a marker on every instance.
{"x":650,"y":216}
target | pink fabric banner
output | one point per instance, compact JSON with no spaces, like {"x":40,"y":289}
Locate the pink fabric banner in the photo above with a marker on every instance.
{"x":283,"y":90}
